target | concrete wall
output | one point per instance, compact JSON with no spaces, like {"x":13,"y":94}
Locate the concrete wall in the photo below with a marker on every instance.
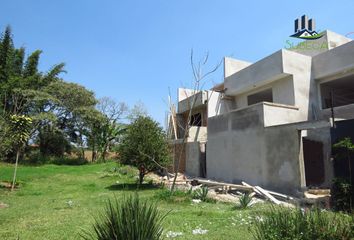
{"x":232,"y":66}
{"x":240,"y":148}
{"x":281,"y":152}
{"x":287,"y":73}
{"x":337,"y":61}
{"x":283,"y":92}
{"x":214,"y":104}
{"x":197,"y":134}
{"x":256,"y":75}
{"x":194,"y":155}
{"x":199,"y":99}
{"x":278,"y":114}
{"x":234,"y":146}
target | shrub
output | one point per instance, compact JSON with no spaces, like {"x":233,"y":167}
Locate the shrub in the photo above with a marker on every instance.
{"x":245,"y":201}
{"x":289,"y":224}
{"x":130,"y":219}
{"x":144,"y":146}
{"x":35,"y":157}
{"x":341,"y":194}
{"x":201,"y":193}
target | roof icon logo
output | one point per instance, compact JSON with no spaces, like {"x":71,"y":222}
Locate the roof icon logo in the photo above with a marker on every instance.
{"x":305,"y":29}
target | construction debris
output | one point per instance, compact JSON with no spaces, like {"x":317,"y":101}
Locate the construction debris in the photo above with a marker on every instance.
{"x":229,"y":186}
{"x":229,"y":192}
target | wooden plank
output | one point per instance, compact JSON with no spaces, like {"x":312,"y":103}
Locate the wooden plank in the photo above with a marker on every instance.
{"x":271,"y":192}
{"x":319,"y":191}
{"x":215,"y":183}
{"x":280,"y":195}
{"x":267,"y":195}
{"x":254,"y":189}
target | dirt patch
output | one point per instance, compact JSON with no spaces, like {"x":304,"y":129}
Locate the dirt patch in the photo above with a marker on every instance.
{"x":3,"y":205}
{"x":6,"y":184}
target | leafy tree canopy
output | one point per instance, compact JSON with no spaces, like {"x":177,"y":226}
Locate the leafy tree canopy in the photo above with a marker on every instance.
{"x":144,"y":146}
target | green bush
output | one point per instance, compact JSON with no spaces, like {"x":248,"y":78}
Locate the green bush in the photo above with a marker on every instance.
{"x":341,"y":194}
{"x":289,"y":224}
{"x":35,"y":157}
{"x":129,"y":219}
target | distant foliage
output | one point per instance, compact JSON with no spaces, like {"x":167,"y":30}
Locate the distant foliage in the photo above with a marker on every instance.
{"x":289,"y":224}
{"x":128,"y":219}
{"x":59,"y":109}
{"x":52,"y":142}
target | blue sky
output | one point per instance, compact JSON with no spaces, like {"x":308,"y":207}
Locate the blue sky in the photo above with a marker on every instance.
{"x":135,"y":50}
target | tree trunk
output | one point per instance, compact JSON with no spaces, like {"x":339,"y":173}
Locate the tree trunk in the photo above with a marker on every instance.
{"x":104,"y":152}
{"x":93,"y":152}
{"x":15,"y":172}
{"x":141,"y":174}
{"x":141,"y":178}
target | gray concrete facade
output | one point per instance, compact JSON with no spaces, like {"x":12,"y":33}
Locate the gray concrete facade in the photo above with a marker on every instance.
{"x":263,"y":143}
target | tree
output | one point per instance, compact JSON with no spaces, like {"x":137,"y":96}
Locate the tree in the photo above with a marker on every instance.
{"x":19,"y":75}
{"x":22,"y":87}
{"x":109,"y":129}
{"x":199,"y":77}
{"x":20,"y":127}
{"x":144,"y":146}
{"x":71,"y":103}
{"x":138,"y":110}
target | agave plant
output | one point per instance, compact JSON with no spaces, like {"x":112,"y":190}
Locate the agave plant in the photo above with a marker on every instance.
{"x":201,"y":193}
{"x":129,"y":219}
{"x":245,"y":200}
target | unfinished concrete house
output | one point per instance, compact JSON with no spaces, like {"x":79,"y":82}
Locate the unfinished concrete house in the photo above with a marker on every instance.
{"x":272,"y":123}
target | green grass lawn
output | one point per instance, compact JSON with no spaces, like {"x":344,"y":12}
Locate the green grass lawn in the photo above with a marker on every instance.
{"x":57,"y":202}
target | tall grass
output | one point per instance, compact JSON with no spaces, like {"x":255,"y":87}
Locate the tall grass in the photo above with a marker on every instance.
{"x":289,"y":224}
{"x":129,"y":219}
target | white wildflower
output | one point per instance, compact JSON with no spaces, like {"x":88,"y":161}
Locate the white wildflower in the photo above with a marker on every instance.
{"x":171,"y":234}
{"x":199,"y":231}
{"x":70,"y":203}
{"x":196,"y":200}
